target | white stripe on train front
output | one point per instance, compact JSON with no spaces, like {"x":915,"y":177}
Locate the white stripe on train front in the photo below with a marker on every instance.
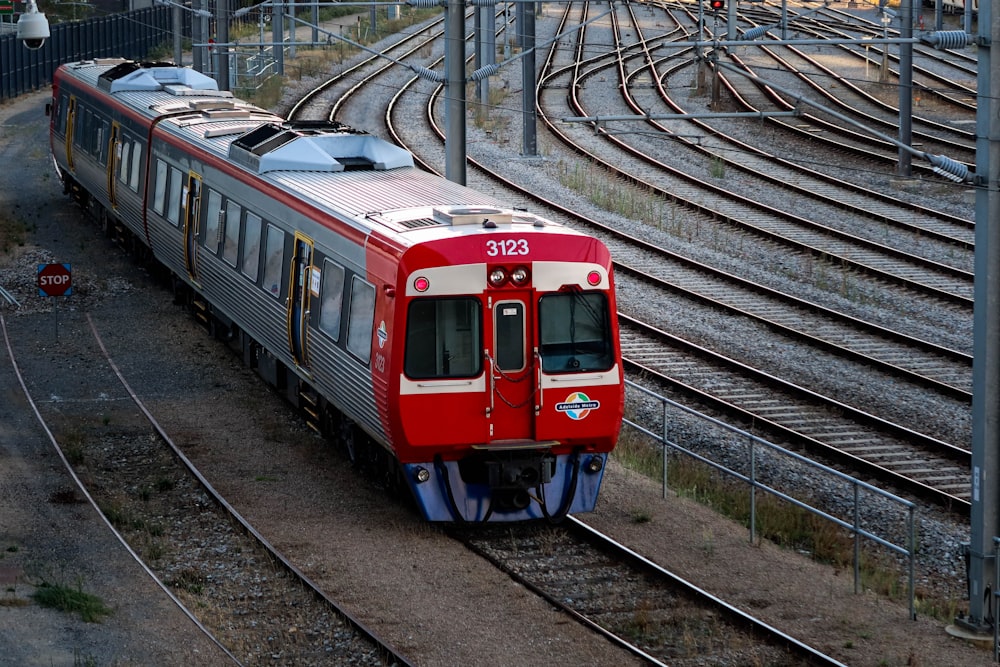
{"x":471,"y":278}
{"x":478,"y":384}
{"x":450,"y":386}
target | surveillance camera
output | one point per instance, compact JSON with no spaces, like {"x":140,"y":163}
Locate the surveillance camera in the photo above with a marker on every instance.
{"x":33,"y":29}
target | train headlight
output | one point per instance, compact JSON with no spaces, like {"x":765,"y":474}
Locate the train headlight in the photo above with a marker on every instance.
{"x":594,"y":278}
{"x":519,"y":275}
{"x":594,"y":464}
{"x":421,"y":474}
{"x":498,"y":277}
{"x":421,"y":284}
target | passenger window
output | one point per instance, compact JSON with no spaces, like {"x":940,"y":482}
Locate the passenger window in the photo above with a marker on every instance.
{"x":123,"y":154}
{"x":333,"y":299}
{"x":100,"y":148}
{"x":251,"y":247}
{"x":232,"y":224}
{"x":274,"y":254}
{"x":360,"y":321}
{"x":133,"y":179}
{"x":80,"y":128}
{"x":176,"y":196}
{"x":213,"y":222}
{"x":160,"y":187}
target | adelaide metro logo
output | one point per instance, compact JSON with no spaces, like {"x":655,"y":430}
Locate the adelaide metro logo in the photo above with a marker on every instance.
{"x":577,"y":405}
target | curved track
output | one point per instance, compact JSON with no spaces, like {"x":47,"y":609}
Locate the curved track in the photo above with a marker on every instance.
{"x":166,"y":513}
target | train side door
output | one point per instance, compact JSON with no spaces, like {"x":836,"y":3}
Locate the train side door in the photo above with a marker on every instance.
{"x":70,"y":129}
{"x":299,"y":286}
{"x":192,"y":217}
{"x":514,"y":376}
{"x":114,"y":159}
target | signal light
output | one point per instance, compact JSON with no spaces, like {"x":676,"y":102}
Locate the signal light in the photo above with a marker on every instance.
{"x":717,"y":5}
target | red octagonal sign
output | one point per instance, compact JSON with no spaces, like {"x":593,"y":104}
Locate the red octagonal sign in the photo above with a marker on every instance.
{"x":55,"y":280}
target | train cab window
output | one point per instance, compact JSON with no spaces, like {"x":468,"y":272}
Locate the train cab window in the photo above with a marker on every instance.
{"x":274,"y":255}
{"x":213,"y":222}
{"x":332,"y":302}
{"x":443,"y":338}
{"x":251,"y":247}
{"x":360,"y":319}
{"x":160,"y":187}
{"x":133,"y":178}
{"x":176,"y":196}
{"x":232,"y":230}
{"x":575,"y":332}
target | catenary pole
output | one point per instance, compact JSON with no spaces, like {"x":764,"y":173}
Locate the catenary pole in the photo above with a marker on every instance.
{"x":986,"y":327}
{"x":454,"y":60}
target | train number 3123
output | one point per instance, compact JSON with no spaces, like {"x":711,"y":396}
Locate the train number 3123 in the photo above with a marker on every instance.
{"x":507,"y":247}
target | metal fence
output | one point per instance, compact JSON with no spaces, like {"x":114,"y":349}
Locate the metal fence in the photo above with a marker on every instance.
{"x":128,"y":35}
{"x":755,"y":461}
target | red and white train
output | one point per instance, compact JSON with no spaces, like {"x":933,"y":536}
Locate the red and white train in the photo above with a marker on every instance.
{"x":468,"y":351}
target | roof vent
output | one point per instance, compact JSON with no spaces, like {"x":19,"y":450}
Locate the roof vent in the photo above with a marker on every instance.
{"x":471,"y":215}
{"x":134,"y":76}
{"x":273,"y":147}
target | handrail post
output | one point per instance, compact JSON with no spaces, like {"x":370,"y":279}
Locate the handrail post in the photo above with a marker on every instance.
{"x":857,"y":539}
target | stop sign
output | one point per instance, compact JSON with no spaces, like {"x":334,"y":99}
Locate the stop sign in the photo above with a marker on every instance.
{"x":54,"y":280}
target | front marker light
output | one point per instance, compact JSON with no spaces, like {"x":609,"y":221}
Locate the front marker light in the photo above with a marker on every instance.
{"x":519,"y":275}
{"x":498,"y":277}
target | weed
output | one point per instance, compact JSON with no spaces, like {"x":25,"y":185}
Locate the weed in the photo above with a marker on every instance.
{"x":71,"y":600}
{"x":641,"y":516}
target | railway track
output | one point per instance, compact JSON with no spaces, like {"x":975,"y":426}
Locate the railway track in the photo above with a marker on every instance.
{"x":686,"y":190}
{"x":939,"y":478}
{"x":636,"y":604}
{"x":923,"y":466}
{"x":172,"y":521}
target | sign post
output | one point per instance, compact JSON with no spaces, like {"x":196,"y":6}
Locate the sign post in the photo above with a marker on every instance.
{"x":55,"y":280}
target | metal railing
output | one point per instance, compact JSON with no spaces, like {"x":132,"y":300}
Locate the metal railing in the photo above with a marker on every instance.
{"x":669,"y":423}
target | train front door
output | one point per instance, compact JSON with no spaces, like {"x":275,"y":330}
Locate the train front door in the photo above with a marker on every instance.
{"x":514,"y":375}
{"x":303,"y":279}
{"x":192,"y":218}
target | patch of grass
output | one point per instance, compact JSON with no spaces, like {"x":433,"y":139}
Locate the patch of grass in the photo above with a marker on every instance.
{"x":189,"y":580}
{"x":641,"y":516}
{"x":13,"y":232}
{"x":777,"y":521}
{"x":72,"y":601}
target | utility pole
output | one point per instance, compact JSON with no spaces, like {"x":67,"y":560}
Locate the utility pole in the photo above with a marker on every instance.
{"x":986,"y":331}
{"x":222,"y":47}
{"x":454,"y":60}
{"x":906,"y":13}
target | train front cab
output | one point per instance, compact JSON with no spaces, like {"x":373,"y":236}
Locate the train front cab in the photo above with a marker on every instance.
{"x":512,"y":377}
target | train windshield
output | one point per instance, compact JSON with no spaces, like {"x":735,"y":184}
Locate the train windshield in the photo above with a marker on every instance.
{"x":444,"y":338}
{"x":575,"y":332}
